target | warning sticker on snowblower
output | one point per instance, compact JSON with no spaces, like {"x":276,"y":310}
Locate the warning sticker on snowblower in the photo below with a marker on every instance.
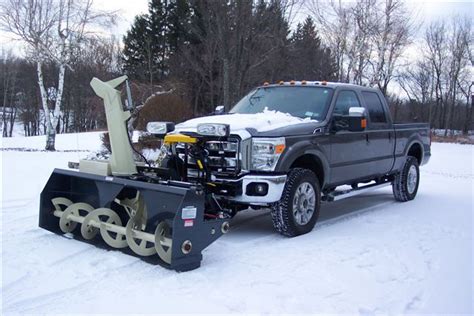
{"x":189,"y":212}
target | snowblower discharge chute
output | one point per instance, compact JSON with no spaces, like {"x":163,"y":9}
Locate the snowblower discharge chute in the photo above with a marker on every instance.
{"x":153,"y":212}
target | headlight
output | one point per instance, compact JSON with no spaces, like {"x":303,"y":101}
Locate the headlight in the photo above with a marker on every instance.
{"x":160,"y":128}
{"x":211,"y":129}
{"x":266,"y":152}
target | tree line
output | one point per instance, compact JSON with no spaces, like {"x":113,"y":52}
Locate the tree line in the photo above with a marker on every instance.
{"x":205,"y":53}
{"x":216,"y":51}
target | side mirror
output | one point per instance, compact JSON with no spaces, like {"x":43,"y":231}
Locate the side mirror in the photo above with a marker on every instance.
{"x":220,"y":109}
{"x":356,"y":119}
{"x":159,"y":129}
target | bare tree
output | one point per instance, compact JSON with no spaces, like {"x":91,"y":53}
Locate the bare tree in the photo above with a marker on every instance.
{"x":247,"y":36}
{"x":442,"y":77}
{"x":416,"y":81}
{"x":8,"y":75}
{"x":233,"y":40}
{"x":392,"y":34}
{"x":449,"y":47}
{"x":53,"y":31}
{"x":367,"y":37}
{"x":336,"y":21}
{"x":436,"y":53}
{"x":458,"y":45}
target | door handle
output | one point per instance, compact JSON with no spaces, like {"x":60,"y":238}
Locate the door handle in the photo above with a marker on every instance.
{"x":367,"y":137}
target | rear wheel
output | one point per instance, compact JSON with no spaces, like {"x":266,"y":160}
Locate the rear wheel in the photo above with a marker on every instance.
{"x":405,"y":184}
{"x":298,"y":209}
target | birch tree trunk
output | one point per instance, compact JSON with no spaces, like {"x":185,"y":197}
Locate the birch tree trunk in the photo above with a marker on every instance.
{"x":6,"y":82}
{"x":50,"y":130}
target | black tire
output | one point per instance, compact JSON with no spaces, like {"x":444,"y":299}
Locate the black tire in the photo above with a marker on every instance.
{"x":402,"y":190}
{"x":282,"y":212}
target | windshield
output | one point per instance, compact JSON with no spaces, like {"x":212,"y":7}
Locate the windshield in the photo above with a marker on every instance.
{"x":304,"y":102}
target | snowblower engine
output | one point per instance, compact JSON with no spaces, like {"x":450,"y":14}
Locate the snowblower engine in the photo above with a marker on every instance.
{"x":165,"y":215}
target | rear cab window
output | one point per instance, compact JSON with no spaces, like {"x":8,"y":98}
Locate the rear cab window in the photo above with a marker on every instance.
{"x":375,"y":108}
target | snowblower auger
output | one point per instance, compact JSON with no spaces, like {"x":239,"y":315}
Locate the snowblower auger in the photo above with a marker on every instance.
{"x":173,"y":230}
{"x":148,"y":212}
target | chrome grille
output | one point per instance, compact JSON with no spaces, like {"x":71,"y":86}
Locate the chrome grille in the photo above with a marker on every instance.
{"x":223,"y":157}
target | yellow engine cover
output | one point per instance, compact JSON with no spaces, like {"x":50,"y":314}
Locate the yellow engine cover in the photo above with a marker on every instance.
{"x":179,"y":138}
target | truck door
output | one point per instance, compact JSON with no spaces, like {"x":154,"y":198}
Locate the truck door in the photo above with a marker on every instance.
{"x":380,"y":134}
{"x":349,"y":150}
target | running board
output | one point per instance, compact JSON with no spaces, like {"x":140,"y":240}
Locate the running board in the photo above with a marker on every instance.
{"x":339,"y":195}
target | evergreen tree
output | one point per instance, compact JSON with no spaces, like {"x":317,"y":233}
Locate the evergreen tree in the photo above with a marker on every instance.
{"x":179,"y":19}
{"x":311,"y":60}
{"x":154,"y":38}
{"x":138,"y":50}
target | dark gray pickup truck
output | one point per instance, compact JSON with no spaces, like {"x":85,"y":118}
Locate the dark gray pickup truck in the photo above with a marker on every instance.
{"x":288,"y":146}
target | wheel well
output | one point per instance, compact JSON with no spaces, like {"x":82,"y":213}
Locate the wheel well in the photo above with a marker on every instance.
{"x":312,"y":163}
{"x":416,"y":151}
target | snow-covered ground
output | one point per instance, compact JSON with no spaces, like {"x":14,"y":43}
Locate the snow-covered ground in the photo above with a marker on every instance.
{"x":367,"y":255}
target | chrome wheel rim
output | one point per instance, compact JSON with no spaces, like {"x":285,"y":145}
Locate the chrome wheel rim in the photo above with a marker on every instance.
{"x":412,"y":178}
{"x":304,"y":203}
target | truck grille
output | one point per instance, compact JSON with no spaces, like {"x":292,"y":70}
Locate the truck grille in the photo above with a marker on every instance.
{"x":223,"y":158}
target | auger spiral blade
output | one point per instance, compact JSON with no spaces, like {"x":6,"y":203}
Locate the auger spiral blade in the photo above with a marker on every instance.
{"x":93,"y":223}
{"x":72,"y":216}
{"x":139,"y":241}
{"x":164,"y":242}
{"x":117,"y":239}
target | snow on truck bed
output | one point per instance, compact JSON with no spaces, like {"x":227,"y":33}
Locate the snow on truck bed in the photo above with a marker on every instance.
{"x":368,"y":254}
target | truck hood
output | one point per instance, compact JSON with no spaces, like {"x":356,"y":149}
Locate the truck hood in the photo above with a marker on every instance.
{"x":244,"y":124}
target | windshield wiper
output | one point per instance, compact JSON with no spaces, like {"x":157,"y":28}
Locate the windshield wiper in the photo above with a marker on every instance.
{"x":253,"y":96}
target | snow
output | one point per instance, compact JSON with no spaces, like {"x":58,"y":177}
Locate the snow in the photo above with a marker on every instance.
{"x":75,"y":142}
{"x":264,"y":121}
{"x":367,"y":254}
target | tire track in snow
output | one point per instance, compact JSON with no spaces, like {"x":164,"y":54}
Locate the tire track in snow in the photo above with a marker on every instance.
{"x":352,"y":215}
{"x":319,"y":225}
{"x":82,"y":289}
{"x":225,"y":246}
{"x":16,"y":204}
{"x":467,"y":176}
{"x":31,"y":304}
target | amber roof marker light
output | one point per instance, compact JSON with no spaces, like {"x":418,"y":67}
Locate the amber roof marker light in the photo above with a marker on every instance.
{"x":303,"y":82}
{"x":281,"y":82}
{"x":266,"y":83}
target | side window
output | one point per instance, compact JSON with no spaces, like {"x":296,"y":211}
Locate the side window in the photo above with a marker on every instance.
{"x":345,"y":100}
{"x":375,"y":107}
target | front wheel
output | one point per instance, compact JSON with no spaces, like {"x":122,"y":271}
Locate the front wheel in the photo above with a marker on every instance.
{"x":405,"y":184}
{"x":298,"y":209}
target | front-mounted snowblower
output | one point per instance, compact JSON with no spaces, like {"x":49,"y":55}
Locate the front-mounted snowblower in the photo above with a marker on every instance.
{"x":156,"y":213}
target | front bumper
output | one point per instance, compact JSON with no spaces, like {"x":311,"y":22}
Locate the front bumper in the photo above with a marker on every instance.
{"x":275,"y":184}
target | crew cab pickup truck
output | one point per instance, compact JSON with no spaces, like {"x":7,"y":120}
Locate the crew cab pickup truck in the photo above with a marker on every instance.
{"x":290,"y":145}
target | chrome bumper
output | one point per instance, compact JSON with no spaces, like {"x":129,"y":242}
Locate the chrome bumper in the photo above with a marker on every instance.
{"x":276,"y":185}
